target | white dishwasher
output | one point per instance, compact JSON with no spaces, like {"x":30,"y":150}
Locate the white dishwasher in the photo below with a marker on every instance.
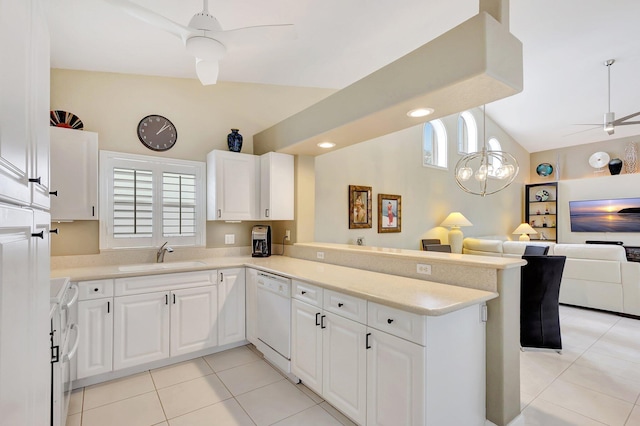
{"x":274,"y":319}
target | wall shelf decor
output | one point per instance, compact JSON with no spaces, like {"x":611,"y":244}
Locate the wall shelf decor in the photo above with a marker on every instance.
{"x":541,"y":210}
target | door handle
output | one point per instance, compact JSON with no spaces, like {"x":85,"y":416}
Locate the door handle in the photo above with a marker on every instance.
{"x":317,"y":318}
{"x":166,"y":299}
{"x":53,"y":231}
{"x":174,"y":298}
{"x":36,"y":180}
{"x":389,"y":321}
{"x":340,"y":305}
{"x":367,"y":345}
{"x":322,"y":321}
{"x":266,"y":212}
{"x":53,"y":193}
{"x":38,"y":234}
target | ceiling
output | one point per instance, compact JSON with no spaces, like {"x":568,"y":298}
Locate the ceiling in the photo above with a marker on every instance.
{"x":339,"y":42}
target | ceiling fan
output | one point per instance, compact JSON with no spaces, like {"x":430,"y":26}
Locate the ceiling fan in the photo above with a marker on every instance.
{"x":205,"y":39}
{"x":609,"y":117}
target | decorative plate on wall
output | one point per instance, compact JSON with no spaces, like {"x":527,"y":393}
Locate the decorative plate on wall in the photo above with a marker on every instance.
{"x":544,"y":169}
{"x":65,"y":119}
{"x":599,"y":159}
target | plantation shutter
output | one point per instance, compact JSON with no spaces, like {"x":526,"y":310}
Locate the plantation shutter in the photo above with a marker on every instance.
{"x":132,"y":203}
{"x":178,"y":204}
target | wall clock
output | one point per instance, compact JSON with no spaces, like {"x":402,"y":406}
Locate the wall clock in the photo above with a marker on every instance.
{"x":157,"y":132}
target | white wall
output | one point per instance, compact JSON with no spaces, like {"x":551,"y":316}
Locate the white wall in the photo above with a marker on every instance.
{"x":392,"y":164}
{"x":595,"y":188}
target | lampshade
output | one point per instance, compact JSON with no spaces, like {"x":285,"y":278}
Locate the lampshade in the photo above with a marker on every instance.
{"x":456,"y":219}
{"x":524,"y":229}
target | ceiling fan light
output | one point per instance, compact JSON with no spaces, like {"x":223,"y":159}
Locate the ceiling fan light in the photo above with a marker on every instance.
{"x":609,"y":118}
{"x":205,"y":48}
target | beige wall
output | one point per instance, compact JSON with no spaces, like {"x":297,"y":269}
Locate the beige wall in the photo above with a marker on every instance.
{"x":392,"y":164}
{"x":113,"y":104}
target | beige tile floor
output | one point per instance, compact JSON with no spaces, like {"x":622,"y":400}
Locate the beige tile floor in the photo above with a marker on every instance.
{"x":595,"y":381}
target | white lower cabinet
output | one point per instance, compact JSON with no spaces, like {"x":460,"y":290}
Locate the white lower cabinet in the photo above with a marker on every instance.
{"x":306,"y":344}
{"x":95,"y":350}
{"x":141,"y":329}
{"x":193,"y":320}
{"x":231,"y":306}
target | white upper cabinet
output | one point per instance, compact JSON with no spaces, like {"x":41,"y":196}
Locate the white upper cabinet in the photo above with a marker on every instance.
{"x":24,"y":104}
{"x":276,"y":186}
{"x":231,"y":186}
{"x":74,"y":174}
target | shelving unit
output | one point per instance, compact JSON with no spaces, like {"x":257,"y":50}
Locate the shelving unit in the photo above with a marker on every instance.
{"x":541,"y":210}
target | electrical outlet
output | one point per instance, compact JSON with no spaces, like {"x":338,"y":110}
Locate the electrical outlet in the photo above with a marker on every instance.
{"x":229,"y":238}
{"x":422,"y":268}
{"x":320,"y":255}
{"x":287,"y":234}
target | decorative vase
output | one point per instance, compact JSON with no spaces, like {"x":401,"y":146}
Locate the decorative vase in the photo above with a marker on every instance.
{"x":615,"y":166}
{"x":234,"y":140}
{"x":630,"y":157}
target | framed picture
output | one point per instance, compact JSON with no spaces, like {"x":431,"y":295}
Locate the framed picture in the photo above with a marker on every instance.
{"x":389,"y":211}
{"x":359,"y":207}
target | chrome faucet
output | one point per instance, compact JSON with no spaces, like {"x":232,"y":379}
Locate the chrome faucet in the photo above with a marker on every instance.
{"x":161,"y":251}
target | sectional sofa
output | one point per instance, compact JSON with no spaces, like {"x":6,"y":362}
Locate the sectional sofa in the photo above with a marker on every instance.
{"x":595,"y":276}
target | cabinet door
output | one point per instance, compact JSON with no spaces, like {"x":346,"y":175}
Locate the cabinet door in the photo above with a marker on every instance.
{"x":276,"y":186}
{"x":344,"y":359}
{"x":15,"y":24}
{"x":306,"y":344}
{"x":251,"y":304}
{"x":140,"y":329}
{"x":95,"y":351}
{"x":395,"y":381}
{"x":193,"y":319}
{"x":231,"y":186}
{"x":74,"y":174}
{"x":231,"y":309}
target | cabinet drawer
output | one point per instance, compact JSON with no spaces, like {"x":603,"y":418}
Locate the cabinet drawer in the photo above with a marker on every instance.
{"x":346,"y":306}
{"x":400,"y":323}
{"x":307,"y":293}
{"x":164,"y":282}
{"x":96,"y":289}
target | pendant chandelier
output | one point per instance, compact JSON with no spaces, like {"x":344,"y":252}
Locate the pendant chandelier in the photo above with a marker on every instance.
{"x":486,"y":172}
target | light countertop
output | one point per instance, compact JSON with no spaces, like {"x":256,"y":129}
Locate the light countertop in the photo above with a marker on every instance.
{"x":409,"y":294}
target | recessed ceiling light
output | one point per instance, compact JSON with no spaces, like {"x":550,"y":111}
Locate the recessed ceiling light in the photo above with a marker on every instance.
{"x":326,"y":145}
{"x":420,"y":112}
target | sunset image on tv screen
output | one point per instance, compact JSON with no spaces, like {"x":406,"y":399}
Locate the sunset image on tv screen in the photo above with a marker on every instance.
{"x":615,"y":215}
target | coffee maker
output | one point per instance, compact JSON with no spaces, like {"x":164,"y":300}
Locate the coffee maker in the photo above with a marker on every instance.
{"x":261,"y":241}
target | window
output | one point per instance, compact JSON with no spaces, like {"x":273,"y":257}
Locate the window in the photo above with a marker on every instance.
{"x":496,"y":163}
{"x":145,"y":201}
{"x":467,"y":133}
{"x":434,"y":144}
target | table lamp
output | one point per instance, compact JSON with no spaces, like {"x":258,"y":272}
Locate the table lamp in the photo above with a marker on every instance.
{"x":524,"y":229}
{"x":455,"y":220}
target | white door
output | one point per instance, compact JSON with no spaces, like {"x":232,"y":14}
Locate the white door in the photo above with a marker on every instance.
{"x":306,"y":344}
{"x":231,"y":186}
{"x":15,"y":24}
{"x":17,"y":286}
{"x":251,"y":304}
{"x":193,"y":319}
{"x":95,"y":322}
{"x":231,"y":309}
{"x":344,"y":359}
{"x":395,"y":381}
{"x":74,"y":174}
{"x":140,"y":329}
{"x":276,"y":186}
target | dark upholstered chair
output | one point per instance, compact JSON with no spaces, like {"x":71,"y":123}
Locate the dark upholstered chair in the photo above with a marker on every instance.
{"x":539,"y":292}
{"x":446,"y":248}
{"x":536,"y":250}
{"x":428,"y":241}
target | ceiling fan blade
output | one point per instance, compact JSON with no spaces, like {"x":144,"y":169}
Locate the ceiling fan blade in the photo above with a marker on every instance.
{"x":152,"y":18}
{"x":620,"y":120}
{"x":599,"y":126}
{"x":627,"y":123}
{"x":260,"y":34}
{"x":587,"y":124}
{"x":207,"y":71}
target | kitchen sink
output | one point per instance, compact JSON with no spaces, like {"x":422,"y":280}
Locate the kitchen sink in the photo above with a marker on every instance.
{"x":159,"y":266}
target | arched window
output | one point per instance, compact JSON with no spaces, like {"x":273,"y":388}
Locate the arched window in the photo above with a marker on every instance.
{"x":494,"y":145}
{"x":467,"y":133}
{"x":434,"y":144}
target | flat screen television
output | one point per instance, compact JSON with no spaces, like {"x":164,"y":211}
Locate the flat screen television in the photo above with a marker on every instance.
{"x":613,"y":215}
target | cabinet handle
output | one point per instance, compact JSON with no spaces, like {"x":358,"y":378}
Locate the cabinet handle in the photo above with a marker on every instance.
{"x":174,"y":299}
{"x":266,"y":213}
{"x":55,"y":354}
{"x":36,"y":180}
{"x":317,"y":318}
{"x":367,"y":345}
{"x":322,"y":321}
{"x":340,"y":305}
{"x":303,"y":292}
{"x":93,"y":211}
{"x":53,"y":231}
{"x":221,"y":277}
{"x":38,"y":235}
{"x":53,"y":193}
{"x":219,"y":213}
{"x":166,"y":299}
{"x":389,"y":321}
{"x":108,"y":306}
